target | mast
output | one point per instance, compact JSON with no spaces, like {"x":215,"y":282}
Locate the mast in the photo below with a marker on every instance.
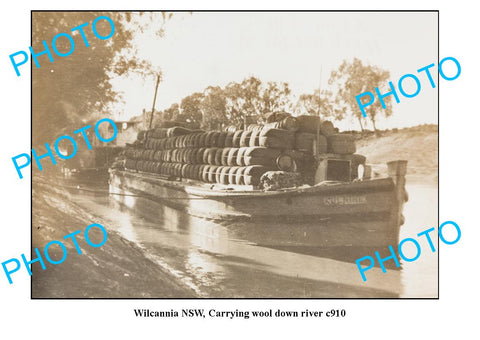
{"x":154,"y":100}
{"x":317,"y":135}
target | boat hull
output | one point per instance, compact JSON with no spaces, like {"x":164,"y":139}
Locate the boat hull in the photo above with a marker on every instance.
{"x":359,"y":214}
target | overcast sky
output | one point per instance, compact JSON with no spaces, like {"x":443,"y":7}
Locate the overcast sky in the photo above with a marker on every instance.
{"x":203,"y":49}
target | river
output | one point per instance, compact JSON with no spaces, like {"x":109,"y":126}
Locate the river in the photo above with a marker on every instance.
{"x":211,"y":260}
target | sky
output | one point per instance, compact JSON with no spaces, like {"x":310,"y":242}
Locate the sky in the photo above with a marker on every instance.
{"x":302,"y":48}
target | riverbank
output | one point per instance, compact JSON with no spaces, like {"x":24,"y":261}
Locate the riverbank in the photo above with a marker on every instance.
{"x":418,"y":145}
{"x":118,"y":269}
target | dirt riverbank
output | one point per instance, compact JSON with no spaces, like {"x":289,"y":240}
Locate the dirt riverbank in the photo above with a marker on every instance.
{"x":418,"y":145}
{"x":116,"y":269}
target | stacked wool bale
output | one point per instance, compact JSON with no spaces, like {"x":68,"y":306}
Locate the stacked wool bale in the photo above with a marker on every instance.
{"x":329,"y":141}
{"x":227,"y":157}
{"x":233,"y":156}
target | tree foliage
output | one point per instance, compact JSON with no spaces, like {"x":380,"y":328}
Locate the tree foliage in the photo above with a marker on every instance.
{"x":75,"y":89}
{"x":172,"y":113}
{"x":217,"y":107}
{"x":354,"y":78}
{"x":191,"y":110}
{"x":213,"y":108}
{"x":322,"y":105}
{"x":275,"y":97}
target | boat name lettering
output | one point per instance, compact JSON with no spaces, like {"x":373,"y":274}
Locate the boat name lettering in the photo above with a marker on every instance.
{"x":344,"y":200}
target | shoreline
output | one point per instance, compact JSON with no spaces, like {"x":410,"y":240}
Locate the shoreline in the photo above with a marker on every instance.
{"x":117,"y":269}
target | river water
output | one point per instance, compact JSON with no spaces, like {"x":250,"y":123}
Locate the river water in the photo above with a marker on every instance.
{"x":212,"y":261}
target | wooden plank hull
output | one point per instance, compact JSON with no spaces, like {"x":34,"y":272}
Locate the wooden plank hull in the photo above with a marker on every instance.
{"x":360,"y":214}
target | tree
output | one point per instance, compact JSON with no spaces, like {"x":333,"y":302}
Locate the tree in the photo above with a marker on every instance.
{"x":252,"y":98}
{"x":242,"y":99}
{"x":322,"y":105}
{"x":218,"y":107}
{"x":213,"y":108}
{"x":353,"y":79}
{"x":234,"y":102}
{"x":76,"y":89}
{"x":275,"y":97}
{"x":250,"y":93}
{"x":172,"y":113}
{"x":192,"y":109}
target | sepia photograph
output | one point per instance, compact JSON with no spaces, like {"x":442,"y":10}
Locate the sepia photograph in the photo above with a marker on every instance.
{"x":234,"y":154}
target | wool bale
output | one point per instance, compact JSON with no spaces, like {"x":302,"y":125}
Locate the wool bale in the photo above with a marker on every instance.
{"x":240,"y":157}
{"x":201,"y":139}
{"x":188,"y":157}
{"x":327,"y":128}
{"x":218,"y":156}
{"x":229,"y":139}
{"x":304,"y":141}
{"x":221,"y":139}
{"x":231,"y":128}
{"x":150,"y":143}
{"x":209,"y":139}
{"x":196,"y":140}
{"x":225,"y":152}
{"x":307,"y":123}
{"x":218,"y":173}
{"x":159,"y":133}
{"x":170,"y":124}
{"x":255,"y":136}
{"x":184,"y":170}
{"x":276,"y":116}
{"x":197,"y":171}
{"x":236,"y":138}
{"x":205,"y":173}
{"x":177,"y":131}
{"x":252,"y":174}
{"x":131,"y":164}
{"x":141,"y":135}
{"x":239,"y":180}
{"x":224,"y":174}
{"x":212,"y":174}
{"x":214,"y":139}
{"x":144,"y":156}
{"x":287,"y":123}
{"x":209,"y":156}
{"x":232,"y":157}
{"x":200,"y":155}
{"x":252,"y":127}
{"x":188,"y":141}
{"x":341,"y":144}
{"x":232,"y":175}
{"x":260,"y":156}
{"x":194,"y":156}
{"x":277,"y":138}
{"x":178,"y":169}
{"x":245,"y":138}
{"x":157,"y":168}
{"x":130,"y":153}
{"x":307,"y":142}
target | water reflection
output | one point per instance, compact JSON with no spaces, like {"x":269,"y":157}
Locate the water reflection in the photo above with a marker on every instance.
{"x":420,"y":278}
{"x":213,"y":260}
